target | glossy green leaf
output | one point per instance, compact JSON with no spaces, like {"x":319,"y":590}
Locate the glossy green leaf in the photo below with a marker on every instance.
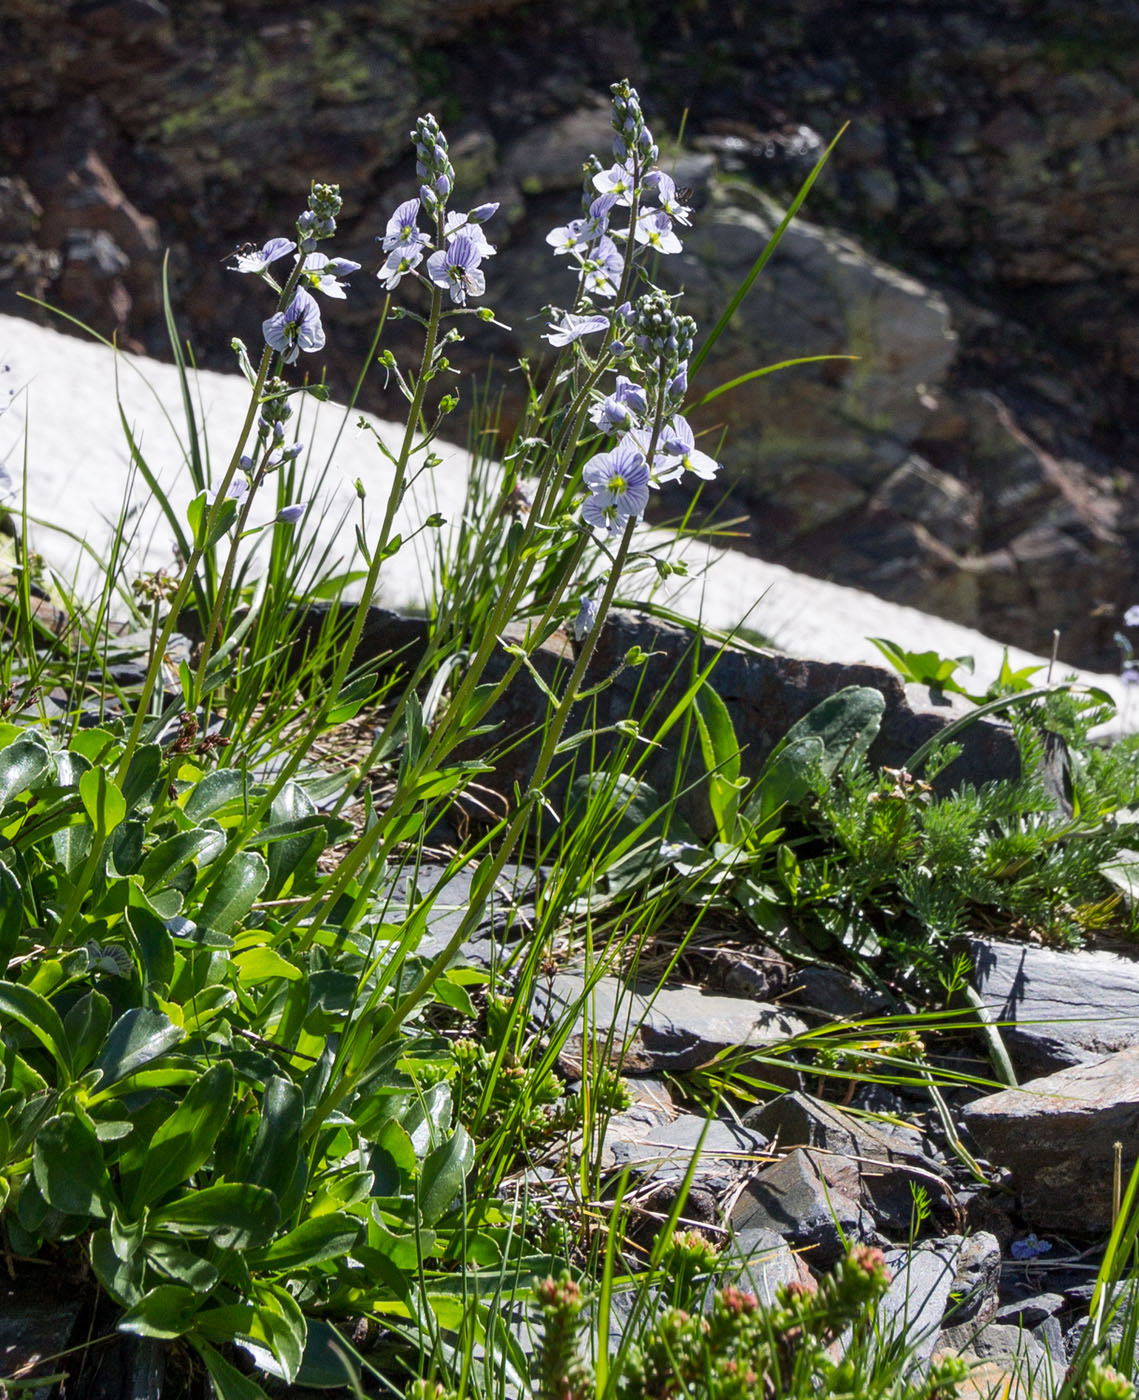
{"x":216,"y":791}
{"x":69,"y":1168}
{"x":102,"y":800}
{"x":846,"y":723}
{"x":328,"y":1362}
{"x":181,"y":1265}
{"x":185,"y":1140}
{"x":36,"y":1014}
{"x":261,"y":964}
{"x":443,"y":1173}
{"x":155,"y":946}
{"x":164,"y":862}
{"x":276,"y":1340}
{"x":164,"y":1312}
{"x":122,"y":1278}
{"x":232,"y":895}
{"x":272,"y":1158}
{"x":235,"y":1215}
{"x":137,"y":1037}
{"x":786,"y":778}
{"x":330,"y":1236}
{"x":142,"y":774}
{"x":227,"y":1380}
{"x":23,"y":767}
{"x":11,"y":914}
{"x":86,"y":1026}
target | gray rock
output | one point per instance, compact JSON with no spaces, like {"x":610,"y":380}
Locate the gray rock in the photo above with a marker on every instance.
{"x":1055,"y":1135}
{"x":766,"y":1261}
{"x":1058,"y":1009}
{"x":912,"y":1310}
{"x":663,"y":1151}
{"x":1031,"y":1312}
{"x":977,"y":1278}
{"x":889,"y":1162}
{"x":674,"y":1028}
{"x":37,"y":1318}
{"x":811,"y":1201}
{"x":508,"y":910}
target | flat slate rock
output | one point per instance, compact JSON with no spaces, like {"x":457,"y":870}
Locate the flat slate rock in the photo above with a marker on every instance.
{"x":1058,"y":1009}
{"x":1056,"y":1137}
{"x":663,"y":1151}
{"x":675,"y":1028}
{"x":508,"y":911}
{"x":889,"y":1161}
{"x":809,"y":1199}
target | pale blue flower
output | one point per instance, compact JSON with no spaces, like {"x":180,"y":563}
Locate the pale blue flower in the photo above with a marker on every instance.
{"x":457,"y":268}
{"x":1029,"y":1247}
{"x":1130,"y":675}
{"x":457,"y":223}
{"x":622,"y":408}
{"x":322,"y":273}
{"x":296,"y":328}
{"x":258,"y":259}
{"x":654,"y":228}
{"x":618,"y":181}
{"x":586,"y":619}
{"x":618,"y":482}
{"x":663,"y":464}
{"x":665,"y":187}
{"x":603,"y":268}
{"x":678,"y":440}
{"x":238,"y":488}
{"x":1131,"y":616}
{"x":289,"y":515}
{"x":400,"y":262}
{"x":571,"y":327}
{"x":402,"y":232}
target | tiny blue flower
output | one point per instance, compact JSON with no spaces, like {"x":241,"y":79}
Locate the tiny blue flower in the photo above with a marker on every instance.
{"x":603,"y":268}
{"x":618,"y":482}
{"x":322,"y":273}
{"x":620,"y":410}
{"x":678,"y":440}
{"x":289,"y":515}
{"x":296,"y":328}
{"x":457,"y":223}
{"x":400,"y":262}
{"x":457,"y":268}
{"x":571,"y":327}
{"x":258,"y":259}
{"x":1130,"y":675}
{"x":1029,"y":1247}
{"x":402,"y":233}
{"x":617,"y":181}
{"x":585,"y":620}
{"x":665,"y":187}
{"x":1131,"y":616}
{"x":654,"y":228}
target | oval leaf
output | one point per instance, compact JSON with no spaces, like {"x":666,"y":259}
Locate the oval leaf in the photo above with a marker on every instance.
{"x":184,"y":1142}
{"x":232,"y":895}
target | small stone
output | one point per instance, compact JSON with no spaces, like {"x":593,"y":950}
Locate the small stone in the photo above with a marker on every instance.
{"x":810,"y":1200}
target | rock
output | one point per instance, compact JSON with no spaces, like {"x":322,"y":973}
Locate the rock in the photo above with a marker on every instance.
{"x":809,"y":1199}
{"x":1031,"y":1311}
{"x":766,"y":1262}
{"x":37,"y":1319}
{"x":661,"y":1152}
{"x":888,"y":1162}
{"x":911,"y":1312}
{"x":1056,"y":1135}
{"x":674,"y":1029}
{"x":766,"y":694}
{"x":508,"y":910}
{"x":1058,"y":1009}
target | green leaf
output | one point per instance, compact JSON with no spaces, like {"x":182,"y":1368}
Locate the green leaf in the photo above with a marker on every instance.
{"x":23,"y":767}
{"x":235,"y":1215}
{"x":786,"y":779}
{"x":721,"y":752}
{"x":443,"y":1173}
{"x":86,"y":1027}
{"x":142,"y":774}
{"x":36,"y":1014}
{"x":291,"y":804}
{"x":272,"y":1159}
{"x":137,"y":1037}
{"x":102,"y":801}
{"x":232,"y":896}
{"x":227,"y":1380}
{"x":164,"y":1312}
{"x":216,"y":791}
{"x":155,"y":946}
{"x":122,"y":1278}
{"x":197,"y":513}
{"x":184,"y":1142}
{"x":170,"y":856}
{"x":67,"y":1160}
{"x":276,"y":1339}
{"x":330,"y":1236}
{"x":352,"y":698}
{"x":181,"y":1265}
{"x":328,"y":1363}
{"x":11,"y":914}
{"x":261,"y":964}
{"x":846,"y":723}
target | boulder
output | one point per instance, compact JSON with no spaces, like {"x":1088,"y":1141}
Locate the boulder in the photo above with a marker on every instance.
{"x":1056,"y":1009}
{"x":811,"y":1200}
{"x":1056,"y":1136}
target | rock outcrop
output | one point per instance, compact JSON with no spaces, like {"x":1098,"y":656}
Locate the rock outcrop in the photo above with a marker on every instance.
{"x":972,"y":240}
